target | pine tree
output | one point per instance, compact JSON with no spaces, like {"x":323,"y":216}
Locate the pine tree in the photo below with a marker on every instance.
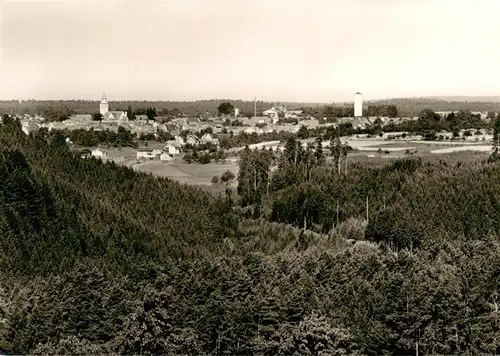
{"x":319,"y":154}
{"x":129,"y":112}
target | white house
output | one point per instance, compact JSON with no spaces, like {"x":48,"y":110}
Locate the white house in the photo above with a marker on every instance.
{"x":98,"y":153}
{"x":172,"y":147}
{"x":28,"y":126}
{"x":192,"y":140}
{"x":250,"y":130}
{"x":180,"y":140}
{"x":271,"y":112}
{"x":294,"y":113}
{"x":165,"y":157}
{"x":208,"y":138}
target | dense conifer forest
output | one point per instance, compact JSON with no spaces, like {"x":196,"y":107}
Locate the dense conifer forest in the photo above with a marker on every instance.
{"x":304,"y":259}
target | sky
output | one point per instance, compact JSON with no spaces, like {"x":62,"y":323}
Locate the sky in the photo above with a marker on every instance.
{"x":303,"y":51}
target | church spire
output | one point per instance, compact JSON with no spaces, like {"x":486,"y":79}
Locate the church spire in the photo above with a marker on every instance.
{"x":103,"y":106}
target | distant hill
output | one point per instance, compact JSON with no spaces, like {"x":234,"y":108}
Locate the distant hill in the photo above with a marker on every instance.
{"x":449,"y":98}
{"x":483,"y":99}
{"x":412,"y":106}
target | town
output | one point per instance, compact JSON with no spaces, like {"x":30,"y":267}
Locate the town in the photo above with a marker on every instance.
{"x":165,"y":145}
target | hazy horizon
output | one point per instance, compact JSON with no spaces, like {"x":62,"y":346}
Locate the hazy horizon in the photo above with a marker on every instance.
{"x":314,"y":52}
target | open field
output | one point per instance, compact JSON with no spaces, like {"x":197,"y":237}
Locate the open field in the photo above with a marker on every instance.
{"x":384,"y":148}
{"x":454,"y":143}
{"x":199,"y":174}
{"x":481,"y":148}
{"x":375,"y":159}
{"x":196,"y":174}
{"x":369,"y":147}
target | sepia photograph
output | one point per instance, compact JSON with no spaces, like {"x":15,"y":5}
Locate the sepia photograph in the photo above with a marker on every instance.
{"x":248,"y":177}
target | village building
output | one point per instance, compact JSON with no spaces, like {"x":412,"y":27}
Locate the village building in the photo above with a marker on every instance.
{"x":310,"y":124}
{"x":258,"y":121}
{"x":192,"y":121}
{"x":141,"y":118}
{"x":148,"y":153}
{"x":81,"y":118}
{"x":293,"y":113}
{"x":273,"y":112}
{"x":209,"y":139}
{"x":115,"y":116}
{"x":172,"y":147}
{"x":192,"y":140}
{"x":250,"y":130}
{"x":29,"y":126}
{"x":180,"y":140}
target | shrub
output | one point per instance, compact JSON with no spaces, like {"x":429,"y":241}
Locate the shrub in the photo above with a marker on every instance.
{"x":227,"y":176}
{"x":205,"y":159}
{"x":352,"y":228}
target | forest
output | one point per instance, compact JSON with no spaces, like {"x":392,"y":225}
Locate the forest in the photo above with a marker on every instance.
{"x":304,"y":258}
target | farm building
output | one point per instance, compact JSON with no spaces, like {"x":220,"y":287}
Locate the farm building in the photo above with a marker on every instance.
{"x":148,"y":153}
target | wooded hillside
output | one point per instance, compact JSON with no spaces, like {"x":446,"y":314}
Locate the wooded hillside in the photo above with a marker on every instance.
{"x":100,"y":259}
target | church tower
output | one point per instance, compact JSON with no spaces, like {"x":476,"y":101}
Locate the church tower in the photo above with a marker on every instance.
{"x":103,"y":107}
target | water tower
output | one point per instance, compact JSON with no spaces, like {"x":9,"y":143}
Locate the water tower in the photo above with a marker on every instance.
{"x":358,"y":105}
